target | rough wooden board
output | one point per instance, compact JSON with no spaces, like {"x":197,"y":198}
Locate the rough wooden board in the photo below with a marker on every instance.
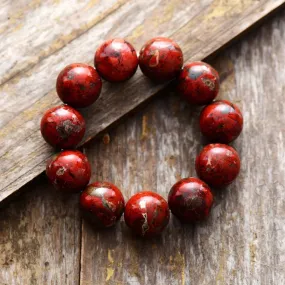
{"x":24,"y":125}
{"x":40,"y":238}
{"x":86,"y":44}
{"x":22,"y":150}
{"x":21,"y":22}
{"x":243,"y":241}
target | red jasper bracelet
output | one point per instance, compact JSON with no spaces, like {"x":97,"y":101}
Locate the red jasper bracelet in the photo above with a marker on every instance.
{"x":146,"y":213}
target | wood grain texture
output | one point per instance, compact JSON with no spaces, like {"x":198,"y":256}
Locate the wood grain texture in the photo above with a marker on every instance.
{"x":40,"y":238}
{"x":29,"y":91}
{"x":241,"y":243}
{"x":22,"y":23}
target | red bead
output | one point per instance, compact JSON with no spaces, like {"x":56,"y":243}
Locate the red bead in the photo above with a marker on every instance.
{"x":161,"y":59}
{"x":198,"y":83}
{"x":218,"y":164}
{"x":221,"y":122}
{"x":190,"y":200}
{"x":147,"y":214}
{"x":102,"y":204}
{"x":78,"y":85}
{"x":69,"y":171}
{"x":116,"y":60}
{"x":62,"y":127}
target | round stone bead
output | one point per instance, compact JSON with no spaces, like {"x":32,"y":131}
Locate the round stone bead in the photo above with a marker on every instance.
{"x":146,"y":214}
{"x":78,"y":85}
{"x":116,"y":60}
{"x":198,"y":83}
{"x":62,"y":127}
{"x":218,"y":165}
{"x":221,"y":122}
{"x":102,"y":204}
{"x":161,"y":59}
{"x":69,"y":171}
{"x":190,"y":200}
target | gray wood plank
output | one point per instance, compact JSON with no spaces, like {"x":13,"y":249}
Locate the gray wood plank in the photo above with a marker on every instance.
{"x":40,"y":237}
{"x":27,"y":39}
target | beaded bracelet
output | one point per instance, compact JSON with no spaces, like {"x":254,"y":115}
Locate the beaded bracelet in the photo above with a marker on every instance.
{"x":146,"y":213}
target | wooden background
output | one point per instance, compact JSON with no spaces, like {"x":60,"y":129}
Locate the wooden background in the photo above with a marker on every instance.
{"x":44,"y":241}
{"x":40,"y":37}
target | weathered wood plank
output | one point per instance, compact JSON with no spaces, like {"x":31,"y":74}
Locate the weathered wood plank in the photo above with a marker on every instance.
{"x":243,"y":241}
{"x":40,"y":238}
{"x":23,"y":152}
{"x":47,"y":26}
{"x":87,"y":43}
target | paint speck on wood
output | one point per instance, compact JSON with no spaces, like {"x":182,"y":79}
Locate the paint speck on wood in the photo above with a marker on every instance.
{"x":106,"y":139}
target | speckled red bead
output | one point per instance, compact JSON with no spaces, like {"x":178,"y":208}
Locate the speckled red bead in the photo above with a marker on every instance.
{"x":116,"y":60}
{"x":218,"y":164}
{"x":62,"y":127}
{"x":69,"y":171}
{"x":221,"y":122}
{"x":102,"y":204}
{"x":78,"y":85}
{"x":198,"y":83}
{"x":146,"y":214}
{"x":161,"y":59}
{"x":190,"y":200}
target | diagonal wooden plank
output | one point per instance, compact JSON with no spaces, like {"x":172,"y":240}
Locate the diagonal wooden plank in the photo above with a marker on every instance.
{"x":23,"y":152}
{"x":121,"y":23}
{"x":25,"y":123}
{"x":63,"y":22}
